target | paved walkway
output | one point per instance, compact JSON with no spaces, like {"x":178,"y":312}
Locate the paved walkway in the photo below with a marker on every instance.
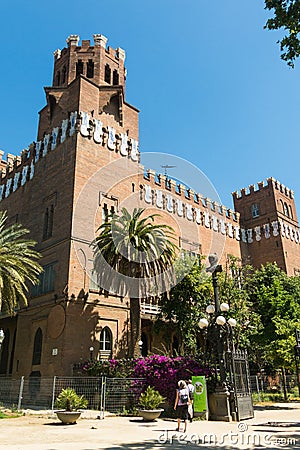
{"x":274,"y":427}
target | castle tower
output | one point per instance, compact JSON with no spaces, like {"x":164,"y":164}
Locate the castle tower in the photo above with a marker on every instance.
{"x":89,"y":78}
{"x":269,"y":225}
{"x":85,"y":125}
{"x":103,"y":66}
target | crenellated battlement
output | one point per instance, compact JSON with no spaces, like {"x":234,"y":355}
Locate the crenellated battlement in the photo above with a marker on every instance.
{"x":180,"y":190}
{"x":99,"y":41}
{"x":15,"y":171}
{"x":102,"y":64}
{"x":263,"y":185}
{"x":8,"y":165}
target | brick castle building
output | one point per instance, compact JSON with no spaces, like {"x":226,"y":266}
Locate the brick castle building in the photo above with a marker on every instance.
{"x":84,"y":164}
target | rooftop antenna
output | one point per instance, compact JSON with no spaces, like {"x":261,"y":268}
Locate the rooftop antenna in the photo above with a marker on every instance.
{"x":166,"y":167}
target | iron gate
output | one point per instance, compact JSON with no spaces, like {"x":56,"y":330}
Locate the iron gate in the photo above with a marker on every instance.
{"x":242,"y":387}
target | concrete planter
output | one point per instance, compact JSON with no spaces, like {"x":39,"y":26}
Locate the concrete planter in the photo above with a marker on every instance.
{"x":68,"y":417}
{"x":150,"y":414}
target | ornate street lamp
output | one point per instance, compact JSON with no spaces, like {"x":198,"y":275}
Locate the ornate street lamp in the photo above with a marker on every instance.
{"x":219,"y":345}
{"x":297,"y":357}
{"x":219,"y":339}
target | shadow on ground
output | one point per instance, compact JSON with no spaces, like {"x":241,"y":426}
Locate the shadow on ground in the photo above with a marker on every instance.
{"x":272,"y":407}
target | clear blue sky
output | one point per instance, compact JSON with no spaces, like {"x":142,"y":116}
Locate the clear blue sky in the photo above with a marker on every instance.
{"x":206,"y":77}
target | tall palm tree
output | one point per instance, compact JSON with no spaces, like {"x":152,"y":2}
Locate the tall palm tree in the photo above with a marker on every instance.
{"x":134,"y":256}
{"x":18,"y":264}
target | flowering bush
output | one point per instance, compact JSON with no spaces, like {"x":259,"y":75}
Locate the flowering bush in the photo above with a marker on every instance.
{"x":160,"y":372}
{"x":163,"y":372}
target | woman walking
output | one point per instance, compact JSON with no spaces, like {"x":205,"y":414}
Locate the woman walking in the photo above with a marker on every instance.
{"x":181,"y":404}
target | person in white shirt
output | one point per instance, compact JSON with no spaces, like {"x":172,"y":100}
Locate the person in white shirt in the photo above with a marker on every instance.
{"x":181,"y":404}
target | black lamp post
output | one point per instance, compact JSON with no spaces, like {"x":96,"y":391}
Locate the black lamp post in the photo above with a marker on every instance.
{"x":219,"y":345}
{"x":297,"y":357}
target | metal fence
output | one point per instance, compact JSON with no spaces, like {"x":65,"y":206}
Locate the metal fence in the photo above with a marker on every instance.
{"x":267,"y":384}
{"x":114,"y":395}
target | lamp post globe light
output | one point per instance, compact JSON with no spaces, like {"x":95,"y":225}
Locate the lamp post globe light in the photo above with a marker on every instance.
{"x":2,"y":336}
{"x":91,"y":353}
{"x":219,"y":345}
{"x":140,"y":344}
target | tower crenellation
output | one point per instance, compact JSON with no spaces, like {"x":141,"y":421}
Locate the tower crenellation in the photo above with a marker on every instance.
{"x":269,"y":206}
{"x":263,"y":185}
{"x":101,"y":64}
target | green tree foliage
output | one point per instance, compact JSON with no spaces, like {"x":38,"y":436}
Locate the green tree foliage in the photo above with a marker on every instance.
{"x":140,"y":248}
{"x":233,"y":289}
{"x":286,"y":17}
{"x":265,"y":303}
{"x":182,"y":307}
{"x":276,"y":298}
{"x":18,"y":265}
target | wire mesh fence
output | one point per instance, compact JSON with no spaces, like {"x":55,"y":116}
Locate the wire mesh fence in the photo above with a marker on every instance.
{"x":268,"y":384}
{"x":9,"y":391}
{"x":115,"y":395}
{"x":122,"y":394}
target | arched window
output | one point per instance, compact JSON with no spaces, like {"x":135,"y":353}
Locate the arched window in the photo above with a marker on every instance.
{"x":64,"y":74}
{"x":255,"y":210}
{"x":115,"y":78}
{"x":90,"y":69}
{"x":286,"y":210}
{"x":105,"y":339}
{"x":107,"y":74}
{"x":79,"y":67}
{"x":37,"y":347}
{"x":58,"y":78}
{"x":281,"y":204}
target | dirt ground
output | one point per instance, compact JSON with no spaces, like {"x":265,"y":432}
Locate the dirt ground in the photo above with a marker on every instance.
{"x":276,"y":427}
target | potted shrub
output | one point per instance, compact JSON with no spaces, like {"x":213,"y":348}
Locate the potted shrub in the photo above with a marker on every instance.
{"x":69,"y":403}
{"x":149,"y":402}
